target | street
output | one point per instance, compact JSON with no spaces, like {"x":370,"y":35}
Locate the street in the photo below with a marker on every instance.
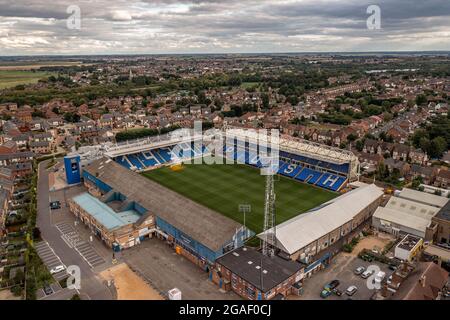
{"x":92,"y":287}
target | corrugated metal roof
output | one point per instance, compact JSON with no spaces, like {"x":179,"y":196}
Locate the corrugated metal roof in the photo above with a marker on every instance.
{"x":103,"y":213}
{"x":423,"y":197}
{"x":300,"y":231}
{"x":209,"y":227}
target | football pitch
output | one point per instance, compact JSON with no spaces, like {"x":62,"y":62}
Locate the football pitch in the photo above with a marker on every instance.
{"x":223,"y":188}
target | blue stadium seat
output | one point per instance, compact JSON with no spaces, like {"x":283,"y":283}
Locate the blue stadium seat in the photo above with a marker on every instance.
{"x":165,"y":154}
{"x":135,"y":161}
{"x":323,"y":180}
{"x":290,"y":170}
{"x":158,"y":156}
{"x":148,"y":162}
{"x":309,"y":175}
{"x":122,"y":161}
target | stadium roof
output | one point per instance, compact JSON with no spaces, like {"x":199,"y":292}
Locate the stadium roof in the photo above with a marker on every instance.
{"x":105,"y":215}
{"x":423,"y":197}
{"x":299,"y":146}
{"x":302,"y":230}
{"x":201,"y":223}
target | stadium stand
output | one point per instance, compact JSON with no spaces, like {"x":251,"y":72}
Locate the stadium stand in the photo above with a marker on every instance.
{"x":313,"y":164}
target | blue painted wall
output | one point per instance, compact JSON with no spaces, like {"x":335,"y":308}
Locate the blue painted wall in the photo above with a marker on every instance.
{"x":72,"y":167}
{"x":97,"y":182}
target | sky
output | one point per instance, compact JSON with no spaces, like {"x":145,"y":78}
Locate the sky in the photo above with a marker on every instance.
{"x":43,"y":27}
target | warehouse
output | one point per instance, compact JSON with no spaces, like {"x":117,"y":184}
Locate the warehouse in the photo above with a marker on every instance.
{"x":255,"y":276}
{"x":422,"y":197}
{"x":313,"y":237}
{"x":197,"y":232}
{"x":409,"y":212}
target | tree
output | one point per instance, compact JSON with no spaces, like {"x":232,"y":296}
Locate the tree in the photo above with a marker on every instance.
{"x":359,"y":145}
{"x":421,"y":99}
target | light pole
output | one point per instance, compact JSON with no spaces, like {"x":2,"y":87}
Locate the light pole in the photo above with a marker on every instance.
{"x":245,"y":208}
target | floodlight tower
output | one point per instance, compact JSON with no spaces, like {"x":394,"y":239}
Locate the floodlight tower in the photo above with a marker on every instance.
{"x":269,"y":217}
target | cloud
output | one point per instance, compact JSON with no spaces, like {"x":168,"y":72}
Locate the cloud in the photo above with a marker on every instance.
{"x":177,"y":26}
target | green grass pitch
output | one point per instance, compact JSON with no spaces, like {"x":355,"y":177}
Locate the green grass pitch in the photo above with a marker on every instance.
{"x":224,"y":187}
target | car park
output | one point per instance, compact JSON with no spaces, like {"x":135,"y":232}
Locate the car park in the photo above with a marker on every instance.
{"x":351,"y":290}
{"x":359,"y":270}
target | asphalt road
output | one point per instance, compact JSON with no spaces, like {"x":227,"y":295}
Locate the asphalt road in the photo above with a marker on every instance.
{"x":92,"y":287}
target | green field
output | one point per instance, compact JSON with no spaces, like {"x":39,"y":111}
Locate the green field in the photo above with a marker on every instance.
{"x":12,"y":78}
{"x":224,"y":187}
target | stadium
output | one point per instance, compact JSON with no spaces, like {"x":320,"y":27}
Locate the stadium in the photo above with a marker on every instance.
{"x":309,"y":174}
{"x":170,"y":187}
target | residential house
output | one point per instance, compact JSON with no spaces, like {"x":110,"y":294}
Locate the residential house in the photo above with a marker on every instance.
{"x":443,"y":178}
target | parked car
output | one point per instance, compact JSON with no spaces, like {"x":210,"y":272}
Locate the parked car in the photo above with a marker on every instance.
{"x":325,"y":293}
{"x":333,"y":284}
{"x":351,"y":290}
{"x":367,"y":274}
{"x":57,"y":269}
{"x":337,"y":292}
{"x":392,"y":267}
{"x":367,"y":257}
{"x":328,"y":288}
{"x":359,"y":270}
{"x":48,"y":290}
{"x":55,"y":205}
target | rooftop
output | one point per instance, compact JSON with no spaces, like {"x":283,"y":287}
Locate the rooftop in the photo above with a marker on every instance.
{"x":199,"y":222}
{"x":444,"y":213}
{"x":253,"y":266}
{"x":423,"y":197}
{"x":303,"y":229}
{"x":104,"y":214}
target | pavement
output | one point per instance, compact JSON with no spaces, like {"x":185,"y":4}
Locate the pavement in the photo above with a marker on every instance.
{"x":92,"y":286}
{"x":163,"y":269}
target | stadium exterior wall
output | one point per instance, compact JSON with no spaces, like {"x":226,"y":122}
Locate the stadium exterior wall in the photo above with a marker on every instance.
{"x":184,"y":244}
{"x":191,"y":248}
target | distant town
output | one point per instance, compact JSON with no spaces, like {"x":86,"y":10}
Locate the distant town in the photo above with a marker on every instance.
{"x":90,"y":179}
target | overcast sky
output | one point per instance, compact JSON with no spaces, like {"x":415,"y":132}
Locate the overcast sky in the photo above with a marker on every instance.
{"x":217,"y":26}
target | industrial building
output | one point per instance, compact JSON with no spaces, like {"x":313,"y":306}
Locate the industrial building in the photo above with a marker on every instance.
{"x":422,"y":197}
{"x":408,"y":212}
{"x":197,"y":232}
{"x":440,"y":227}
{"x":314,"y":237}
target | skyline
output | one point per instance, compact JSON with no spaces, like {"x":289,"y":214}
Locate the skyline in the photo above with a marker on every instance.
{"x":211,"y":27}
